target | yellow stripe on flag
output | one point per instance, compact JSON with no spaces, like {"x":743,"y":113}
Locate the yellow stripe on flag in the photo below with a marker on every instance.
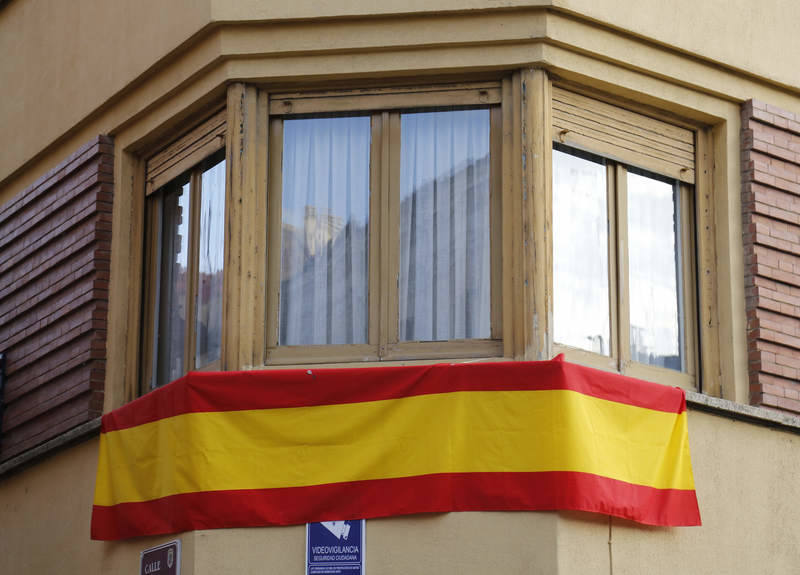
{"x":475,"y":431}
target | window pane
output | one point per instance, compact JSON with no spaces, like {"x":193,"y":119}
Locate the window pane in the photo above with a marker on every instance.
{"x":444,"y":226}
{"x":580,"y":254}
{"x":208,"y":307}
{"x":324,"y":238}
{"x":655,"y":272}
{"x":172,"y":282}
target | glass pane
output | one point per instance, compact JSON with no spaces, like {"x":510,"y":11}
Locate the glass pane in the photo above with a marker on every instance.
{"x":581,"y":314}
{"x":208,"y":307}
{"x":172,"y":282}
{"x":655,"y":272}
{"x":325,"y":233}
{"x":444,"y":226}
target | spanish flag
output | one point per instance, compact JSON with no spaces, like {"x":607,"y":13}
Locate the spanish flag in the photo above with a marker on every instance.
{"x":281,"y":447}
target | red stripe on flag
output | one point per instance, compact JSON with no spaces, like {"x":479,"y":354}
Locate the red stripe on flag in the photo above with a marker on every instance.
{"x":400,"y":496}
{"x":233,"y":391}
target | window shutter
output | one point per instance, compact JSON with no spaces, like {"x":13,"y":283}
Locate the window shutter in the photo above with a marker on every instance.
{"x":622,"y":135}
{"x":186,"y":151}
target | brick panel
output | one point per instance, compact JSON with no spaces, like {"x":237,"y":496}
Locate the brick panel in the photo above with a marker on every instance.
{"x":55,"y":242}
{"x":771,"y":224}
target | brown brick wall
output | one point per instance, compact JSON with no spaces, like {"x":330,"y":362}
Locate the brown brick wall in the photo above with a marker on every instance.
{"x":771,"y":217}
{"x":55,"y":242}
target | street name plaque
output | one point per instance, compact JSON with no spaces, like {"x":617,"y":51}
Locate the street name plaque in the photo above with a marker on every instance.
{"x":162,"y":560}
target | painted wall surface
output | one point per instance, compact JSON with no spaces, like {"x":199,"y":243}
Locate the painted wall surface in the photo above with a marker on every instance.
{"x":749,"y":499}
{"x":751,"y":36}
{"x":756,"y":37}
{"x":64,"y":61}
{"x":743,"y":472}
{"x":45,"y":514}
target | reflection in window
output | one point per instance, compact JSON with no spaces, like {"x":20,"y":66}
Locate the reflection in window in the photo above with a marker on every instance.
{"x":444,"y":280}
{"x":325,"y":233}
{"x":173,"y":284}
{"x":189,"y":216}
{"x":580,"y":254}
{"x":656,"y":306}
{"x":208,"y":306}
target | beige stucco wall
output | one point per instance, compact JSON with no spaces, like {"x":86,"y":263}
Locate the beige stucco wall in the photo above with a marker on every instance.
{"x":64,"y":63}
{"x":756,"y":37}
{"x":745,"y":476}
{"x":62,"y":60}
{"x":746,"y":482}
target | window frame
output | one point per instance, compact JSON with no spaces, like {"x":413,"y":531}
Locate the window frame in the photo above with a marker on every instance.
{"x":619,"y":358}
{"x":185,"y":157}
{"x":699,"y":274}
{"x":384,"y":106}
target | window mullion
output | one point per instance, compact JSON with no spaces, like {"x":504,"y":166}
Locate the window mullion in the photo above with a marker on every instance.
{"x":623,"y":283}
{"x":689,"y":278}
{"x":390,"y":231}
{"x":192,"y":269}
{"x":508,"y":236}
{"x":496,"y":222}
{"x":680,"y":260}
{"x":153,"y":262}
{"x":275,"y":196}
{"x":537,"y":206}
{"x":377,"y":226}
{"x":613,"y":236}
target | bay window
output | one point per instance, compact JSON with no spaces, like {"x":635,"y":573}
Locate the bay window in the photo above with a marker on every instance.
{"x":407,"y":223}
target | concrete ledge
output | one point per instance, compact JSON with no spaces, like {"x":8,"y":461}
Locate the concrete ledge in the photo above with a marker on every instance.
{"x":71,"y":437}
{"x":758,"y":415}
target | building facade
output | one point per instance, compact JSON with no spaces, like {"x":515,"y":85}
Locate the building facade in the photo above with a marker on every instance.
{"x":250,"y":185}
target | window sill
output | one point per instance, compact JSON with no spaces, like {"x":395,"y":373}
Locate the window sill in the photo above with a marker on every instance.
{"x":352,"y":355}
{"x":318,"y":363}
{"x":655,"y":374}
{"x":741,"y":412}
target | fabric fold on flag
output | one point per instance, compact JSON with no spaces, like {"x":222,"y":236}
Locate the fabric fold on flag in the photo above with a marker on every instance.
{"x":281,"y":447}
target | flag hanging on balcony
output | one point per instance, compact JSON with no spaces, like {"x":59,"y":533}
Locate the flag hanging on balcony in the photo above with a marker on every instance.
{"x":283,"y":447}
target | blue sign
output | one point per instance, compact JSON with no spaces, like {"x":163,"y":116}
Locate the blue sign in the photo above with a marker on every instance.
{"x":335,"y":548}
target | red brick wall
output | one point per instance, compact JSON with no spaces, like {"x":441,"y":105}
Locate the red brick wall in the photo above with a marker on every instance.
{"x":771,"y":212}
{"x":55,"y":241}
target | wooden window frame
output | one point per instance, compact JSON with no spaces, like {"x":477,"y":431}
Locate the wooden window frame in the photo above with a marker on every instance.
{"x":619,"y":358}
{"x":690,"y":172}
{"x":186,"y":157}
{"x":384,"y":107}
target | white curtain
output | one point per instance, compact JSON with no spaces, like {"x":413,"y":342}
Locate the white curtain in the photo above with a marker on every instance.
{"x":325,"y":231}
{"x":444,"y":279}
